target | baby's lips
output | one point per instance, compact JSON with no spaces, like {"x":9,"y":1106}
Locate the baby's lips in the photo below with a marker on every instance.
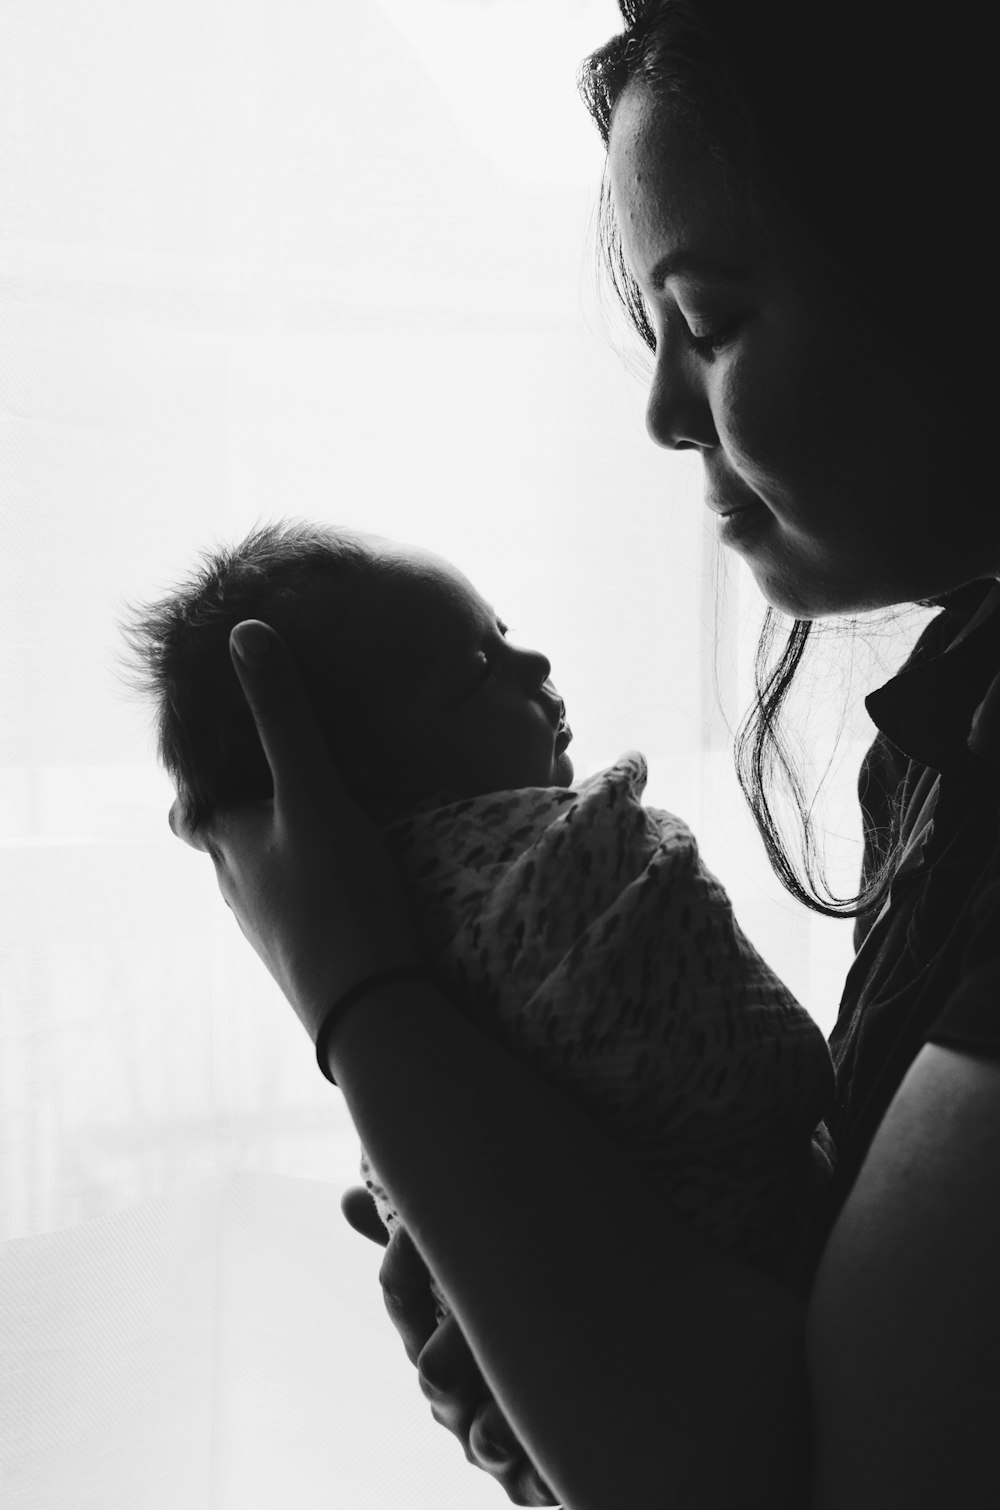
{"x":553,"y":704}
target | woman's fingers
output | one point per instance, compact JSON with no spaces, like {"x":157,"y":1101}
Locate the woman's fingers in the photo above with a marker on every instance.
{"x":406,"y":1289}
{"x":362,"y":1214}
{"x":285,"y":718}
{"x":461,"y":1401}
{"x":494,"y":1448}
{"x":449,"y":1375}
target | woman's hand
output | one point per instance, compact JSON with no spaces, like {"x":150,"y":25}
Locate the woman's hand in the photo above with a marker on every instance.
{"x":315,"y":894}
{"x":449,"y":1376}
{"x":305,"y":875}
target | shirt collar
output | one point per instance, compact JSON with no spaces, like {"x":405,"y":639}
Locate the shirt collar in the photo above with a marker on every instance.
{"x":945,"y":711}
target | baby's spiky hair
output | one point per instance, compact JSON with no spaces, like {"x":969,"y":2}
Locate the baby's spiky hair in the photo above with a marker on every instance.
{"x":178,"y":654}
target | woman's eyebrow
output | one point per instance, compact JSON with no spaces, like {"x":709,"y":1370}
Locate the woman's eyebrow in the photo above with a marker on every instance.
{"x":690,"y":264}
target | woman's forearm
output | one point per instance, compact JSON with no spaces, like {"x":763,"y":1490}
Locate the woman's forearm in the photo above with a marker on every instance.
{"x":639,"y":1362}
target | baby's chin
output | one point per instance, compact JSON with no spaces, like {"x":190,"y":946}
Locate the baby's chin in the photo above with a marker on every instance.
{"x":562,"y":770}
{"x":391,"y":809}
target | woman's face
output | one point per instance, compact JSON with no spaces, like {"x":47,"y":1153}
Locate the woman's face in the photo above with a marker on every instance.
{"x":855,"y":461}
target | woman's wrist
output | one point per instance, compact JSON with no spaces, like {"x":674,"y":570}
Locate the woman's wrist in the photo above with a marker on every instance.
{"x":369,"y":985}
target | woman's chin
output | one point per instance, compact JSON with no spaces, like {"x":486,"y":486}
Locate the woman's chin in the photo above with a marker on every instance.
{"x":826,"y":599}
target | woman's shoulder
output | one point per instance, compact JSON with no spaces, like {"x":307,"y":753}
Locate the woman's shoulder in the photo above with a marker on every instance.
{"x":884,"y":764}
{"x":888,"y":770}
{"x":928,"y":966}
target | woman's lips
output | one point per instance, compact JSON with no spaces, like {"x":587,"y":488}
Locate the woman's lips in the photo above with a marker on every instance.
{"x":742,"y":525}
{"x":726,"y":506}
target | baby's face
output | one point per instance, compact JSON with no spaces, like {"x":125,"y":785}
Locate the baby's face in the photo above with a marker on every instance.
{"x":454,"y":705}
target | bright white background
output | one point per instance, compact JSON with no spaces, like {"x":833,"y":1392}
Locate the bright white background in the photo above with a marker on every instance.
{"x":329,"y":258}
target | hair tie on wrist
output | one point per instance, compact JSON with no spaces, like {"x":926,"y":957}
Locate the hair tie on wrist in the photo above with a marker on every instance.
{"x":370,"y":983}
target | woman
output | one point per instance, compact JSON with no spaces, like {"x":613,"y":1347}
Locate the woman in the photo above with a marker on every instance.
{"x":796,"y":224}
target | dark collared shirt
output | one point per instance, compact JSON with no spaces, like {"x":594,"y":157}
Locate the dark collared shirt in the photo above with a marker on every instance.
{"x":927,"y":969}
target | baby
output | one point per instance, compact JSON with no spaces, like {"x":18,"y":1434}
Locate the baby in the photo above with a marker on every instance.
{"x":573,"y":924}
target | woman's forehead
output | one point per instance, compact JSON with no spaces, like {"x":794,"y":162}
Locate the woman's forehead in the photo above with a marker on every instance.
{"x":667,"y":189}
{"x":651,"y":139}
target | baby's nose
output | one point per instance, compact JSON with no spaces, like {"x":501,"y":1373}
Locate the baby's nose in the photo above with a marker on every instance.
{"x":536,"y":669}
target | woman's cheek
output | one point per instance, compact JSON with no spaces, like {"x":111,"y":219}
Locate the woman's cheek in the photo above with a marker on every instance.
{"x":794,"y":404}
{"x":753,"y":423}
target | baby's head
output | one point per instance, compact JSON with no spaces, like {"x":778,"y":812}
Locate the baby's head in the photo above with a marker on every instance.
{"x":415,"y":686}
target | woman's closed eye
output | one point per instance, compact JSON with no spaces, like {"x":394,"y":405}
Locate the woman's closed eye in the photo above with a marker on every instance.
{"x":711,"y":342}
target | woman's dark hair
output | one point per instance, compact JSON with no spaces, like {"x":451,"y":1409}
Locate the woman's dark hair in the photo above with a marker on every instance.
{"x":854,"y":122}
{"x":179,"y":655}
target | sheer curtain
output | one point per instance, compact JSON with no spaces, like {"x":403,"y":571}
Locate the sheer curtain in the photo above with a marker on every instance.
{"x":328,"y":258}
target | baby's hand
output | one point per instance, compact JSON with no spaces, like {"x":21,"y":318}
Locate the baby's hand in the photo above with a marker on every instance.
{"x":448,"y":1374}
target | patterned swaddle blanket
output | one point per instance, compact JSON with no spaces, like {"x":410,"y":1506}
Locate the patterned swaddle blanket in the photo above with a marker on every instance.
{"x":582,"y":930}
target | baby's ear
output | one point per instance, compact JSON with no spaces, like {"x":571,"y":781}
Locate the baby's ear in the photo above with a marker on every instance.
{"x":183,"y":813}
{"x":187,"y":821}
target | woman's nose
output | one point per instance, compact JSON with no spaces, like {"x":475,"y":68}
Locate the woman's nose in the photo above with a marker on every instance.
{"x":678,"y":414}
